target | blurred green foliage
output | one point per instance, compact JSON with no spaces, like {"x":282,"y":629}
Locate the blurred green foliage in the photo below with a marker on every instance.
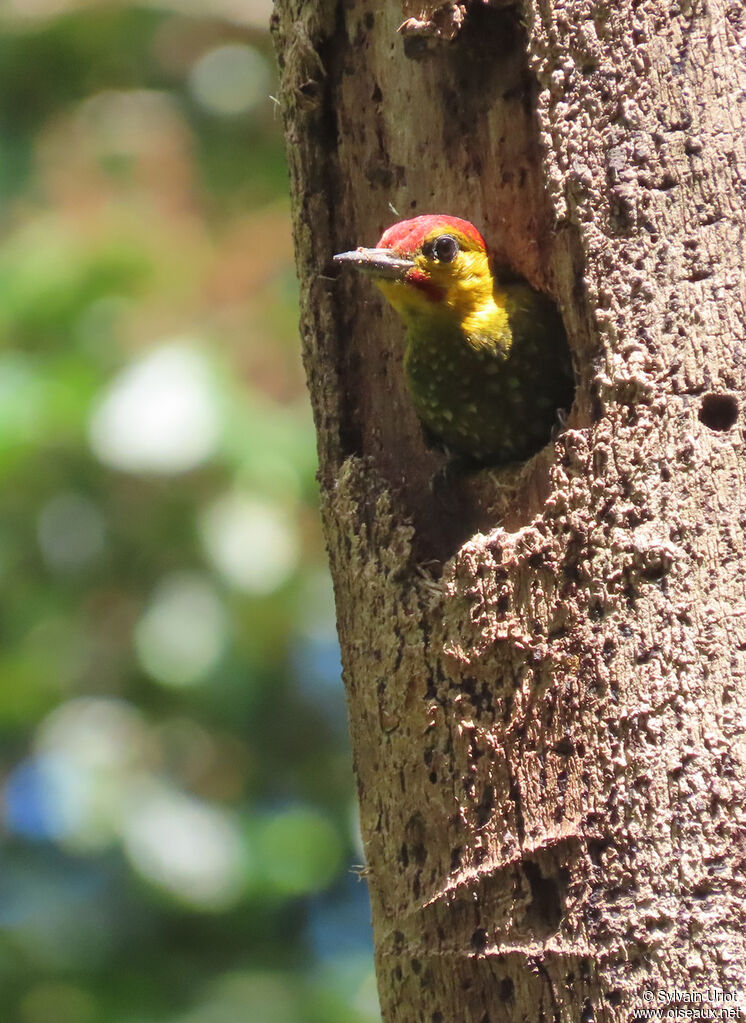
{"x":178,"y":821}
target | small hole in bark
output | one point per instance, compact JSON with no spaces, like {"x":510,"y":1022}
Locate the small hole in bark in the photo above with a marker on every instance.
{"x":309,"y":89}
{"x":597,"y":405}
{"x":596,"y":847}
{"x":484,"y":808}
{"x":545,"y":909}
{"x":469,"y":685}
{"x":609,"y":651}
{"x":586,"y":1015}
{"x":416,"y":966}
{"x":564,"y":747}
{"x":702,"y":889}
{"x":456,"y":857}
{"x":479,"y":939}
{"x":718,"y":411}
{"x":570,"y":572}
{"x":507,"y":990}
{"x":615,"y":997}
{"x":433,"y":777}
{"x":656,"y":570}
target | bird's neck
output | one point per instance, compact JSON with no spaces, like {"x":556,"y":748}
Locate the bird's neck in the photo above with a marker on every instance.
{"x":488,"y":321}
{"x":482,"y":322}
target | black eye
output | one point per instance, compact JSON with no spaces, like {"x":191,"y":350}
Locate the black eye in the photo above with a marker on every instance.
{"x":445,"y":248}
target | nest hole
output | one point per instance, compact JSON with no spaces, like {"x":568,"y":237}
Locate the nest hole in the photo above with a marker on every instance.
{"x":718,"y":412}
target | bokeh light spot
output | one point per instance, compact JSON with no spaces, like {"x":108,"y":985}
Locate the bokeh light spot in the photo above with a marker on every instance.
{"x":300,"y":851}
{"x":230,"y":79}
{"x":189,"y":848}
{"x":39,"y":798}
{"x":183,"y":632}
{"x":96,"y":732}
{"x":159,"y":415}
{"x":252,"y":541}
{"x":98,"y":747}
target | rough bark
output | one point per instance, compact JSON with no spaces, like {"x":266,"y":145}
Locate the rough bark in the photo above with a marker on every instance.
{"x":547,"y":715}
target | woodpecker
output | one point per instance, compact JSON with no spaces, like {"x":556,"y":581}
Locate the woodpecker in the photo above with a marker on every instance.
{"x":487,"y":364}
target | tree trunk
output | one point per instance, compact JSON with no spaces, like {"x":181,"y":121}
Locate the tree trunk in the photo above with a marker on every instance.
{"x":547,"y":714}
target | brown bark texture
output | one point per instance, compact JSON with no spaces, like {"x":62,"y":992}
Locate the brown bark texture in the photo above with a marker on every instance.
{"x":546,"y":668}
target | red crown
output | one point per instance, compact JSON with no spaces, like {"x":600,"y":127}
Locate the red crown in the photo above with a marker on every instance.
{"x":407,"y":236}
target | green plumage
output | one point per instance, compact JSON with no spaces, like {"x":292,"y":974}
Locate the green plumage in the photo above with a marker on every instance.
{"x":492,"y":395}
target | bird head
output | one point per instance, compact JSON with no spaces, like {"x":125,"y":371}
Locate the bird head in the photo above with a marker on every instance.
{"x":430,"y":266}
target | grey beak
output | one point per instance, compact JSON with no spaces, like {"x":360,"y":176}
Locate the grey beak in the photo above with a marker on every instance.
{"x":377,"y":262}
